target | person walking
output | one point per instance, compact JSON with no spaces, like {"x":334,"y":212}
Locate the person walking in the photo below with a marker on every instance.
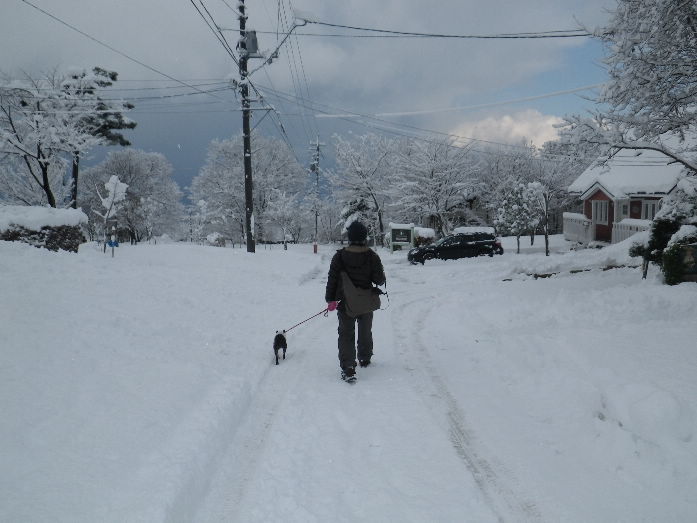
{"x":364,"y":268}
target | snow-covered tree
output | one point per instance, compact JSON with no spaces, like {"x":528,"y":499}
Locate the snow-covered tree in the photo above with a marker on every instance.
{"x":103,"y":119}
{"x":517,"y":212}
{"x":111,"y":202}
{"x":153,"y":203}
{"x":220,"y":183}
{"x":357,"y":210}
{"x":650,"y":101}
{"x":553,"y":170}
{"x":282,"y":212}
{"x":48,"y":122}
{"x":363,"y":175}
{"x":18,"y":187}
{"x":652,"y":63}
{"x":434,"y":181}
{"x":329,"y":218}
{"x":500,"y":169}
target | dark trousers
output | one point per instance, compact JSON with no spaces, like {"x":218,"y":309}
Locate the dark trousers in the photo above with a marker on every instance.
{"x":347,"y":338}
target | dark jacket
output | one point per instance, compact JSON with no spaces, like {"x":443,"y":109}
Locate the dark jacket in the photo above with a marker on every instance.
{"x":362,"y":265}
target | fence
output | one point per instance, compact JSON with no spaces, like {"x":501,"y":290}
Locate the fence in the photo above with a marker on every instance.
{"x":628,"y":227}
{"x":577,"y":228}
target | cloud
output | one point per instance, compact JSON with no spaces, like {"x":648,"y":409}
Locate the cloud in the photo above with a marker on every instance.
{"x":528,"y":125}
{"x":371,"y":75}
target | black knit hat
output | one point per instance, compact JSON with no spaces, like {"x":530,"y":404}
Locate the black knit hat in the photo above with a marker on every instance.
{"x":357,"y":232}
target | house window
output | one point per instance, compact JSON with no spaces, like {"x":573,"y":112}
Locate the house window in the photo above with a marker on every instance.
{"x":649,"y":208}
{"x":600,"y":208}
{"x":625,"y":210}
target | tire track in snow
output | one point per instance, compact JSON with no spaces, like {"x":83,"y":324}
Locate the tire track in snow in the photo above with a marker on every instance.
{"x":239,"y":465}
{"x":240,"y":462}
{"x":503,"y":501}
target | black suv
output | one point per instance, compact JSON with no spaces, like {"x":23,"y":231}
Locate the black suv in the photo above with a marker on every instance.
{"x":457,"y":246}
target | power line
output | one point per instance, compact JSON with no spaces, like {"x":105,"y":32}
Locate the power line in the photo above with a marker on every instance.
{"x":565,"y":33}
{"x":479,"y":106}
{"x":293,"y":66}
{"x":121,"y":53}
{"x":221,"y":39}
{"x":417,"y":35}
{"x":401,"y":129}
{"x":166,"y":96}
{"x":111,"y":88}
{"x":218,"y":35}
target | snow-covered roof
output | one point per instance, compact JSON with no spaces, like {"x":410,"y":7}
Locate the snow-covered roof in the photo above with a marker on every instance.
{"x":465,"y":230}
{"x":630,"y":172}
{"x":401,"y":225}
{"x":34,"y":218}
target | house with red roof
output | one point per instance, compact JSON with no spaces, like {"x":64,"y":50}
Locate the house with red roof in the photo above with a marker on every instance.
{"x":620,"y":196}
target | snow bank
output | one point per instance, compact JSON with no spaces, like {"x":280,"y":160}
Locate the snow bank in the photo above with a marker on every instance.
{"x":34,"y":218}
{"x":614,"y":255}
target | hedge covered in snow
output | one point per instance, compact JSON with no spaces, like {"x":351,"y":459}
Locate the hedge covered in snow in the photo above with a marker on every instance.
{"x":52,"y":229}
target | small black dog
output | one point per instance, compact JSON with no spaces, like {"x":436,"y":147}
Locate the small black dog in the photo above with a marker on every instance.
{"x":279,"y":342}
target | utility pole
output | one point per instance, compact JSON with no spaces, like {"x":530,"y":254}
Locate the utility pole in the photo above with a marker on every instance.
{"x":246,"y":133}
{"x":248,"y":48}
{"x":314,"y":167}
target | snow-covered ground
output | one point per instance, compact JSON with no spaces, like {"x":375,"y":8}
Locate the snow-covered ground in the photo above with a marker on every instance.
{"x":141,"y":388}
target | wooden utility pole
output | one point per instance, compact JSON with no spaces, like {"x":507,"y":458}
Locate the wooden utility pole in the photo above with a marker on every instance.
{"x":246,"y":133}
{"x":314,"y":167}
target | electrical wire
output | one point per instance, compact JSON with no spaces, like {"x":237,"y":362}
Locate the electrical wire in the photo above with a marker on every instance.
{"x":565,"y":33}
{"x":421,"y":36}
{"x":111,"y":48}
{"x":221,"y":39}
{"x":217,"y":34}
{"x":409,"y":131}
{"x":479,"y":106}
{"x":112,"y":88}
{"x":293,"y":67}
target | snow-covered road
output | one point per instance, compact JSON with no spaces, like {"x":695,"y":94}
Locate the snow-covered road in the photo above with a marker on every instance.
{"x":142,"y":388}
{"x":314,"y":448}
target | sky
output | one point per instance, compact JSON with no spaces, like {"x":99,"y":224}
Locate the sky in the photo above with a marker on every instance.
{"x":491,"y":90}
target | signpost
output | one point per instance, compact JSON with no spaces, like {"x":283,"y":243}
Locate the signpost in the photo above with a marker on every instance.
{"x":112,"y":242}
{"x":401,"y":235}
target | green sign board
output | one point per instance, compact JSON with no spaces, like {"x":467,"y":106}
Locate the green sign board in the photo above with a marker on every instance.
{"x":401,"y":236}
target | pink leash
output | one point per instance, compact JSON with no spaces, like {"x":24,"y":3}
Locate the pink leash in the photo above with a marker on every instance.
{"x":325,"y":312}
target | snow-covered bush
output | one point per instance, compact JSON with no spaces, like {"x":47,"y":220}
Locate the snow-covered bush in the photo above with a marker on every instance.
{"x":673,"y":260}
{"x":423,"y":236}
{"x":52,"y":229}
{"x":671,"y":229}
{"x":216,"y":239}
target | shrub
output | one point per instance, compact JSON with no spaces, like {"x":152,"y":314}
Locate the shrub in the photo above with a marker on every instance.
{"x":63,"y":237}
{"x":672,"y":264}
{"x":662,"y":230}
{"x":422,"y":240}
{"x":638,"y":250}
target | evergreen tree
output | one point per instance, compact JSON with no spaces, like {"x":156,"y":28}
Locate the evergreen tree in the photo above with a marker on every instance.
{"x":104,"y":121}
